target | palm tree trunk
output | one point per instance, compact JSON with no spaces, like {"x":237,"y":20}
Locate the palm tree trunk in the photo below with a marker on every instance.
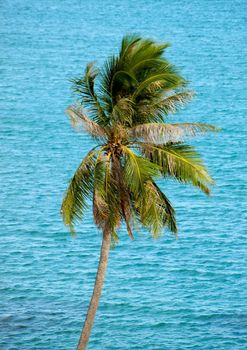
{"x":105,"y":248}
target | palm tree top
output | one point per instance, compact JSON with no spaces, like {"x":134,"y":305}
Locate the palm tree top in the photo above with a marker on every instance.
{"x":124,"y":106}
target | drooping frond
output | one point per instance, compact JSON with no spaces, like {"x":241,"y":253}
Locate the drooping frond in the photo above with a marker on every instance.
{"x":169,"y":219}
{"x":154,"y":209}
{"x":85,"y":88}
{"x":80,"y":187}
{"x":79,"y":119}
{"x":165,"y":133}
{"x":181,"y":162}
{"x":137,"y":170}
{"x":106,"y":197}
{"x":124,"y":194}
{"x":112,"y":195}
{"x":100,"y":205}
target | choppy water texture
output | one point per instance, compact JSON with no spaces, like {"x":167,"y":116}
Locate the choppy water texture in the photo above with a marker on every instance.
{"x":158,"y":295}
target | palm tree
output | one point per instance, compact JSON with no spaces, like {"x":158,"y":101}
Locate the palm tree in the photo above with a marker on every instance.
{"x":125,"y":111}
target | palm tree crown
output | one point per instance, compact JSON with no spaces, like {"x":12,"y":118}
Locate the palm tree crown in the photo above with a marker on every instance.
{"x":124,"y":107}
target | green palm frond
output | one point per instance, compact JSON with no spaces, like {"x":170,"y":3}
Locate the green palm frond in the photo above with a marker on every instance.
{"x":100,"y":205}
{"x":137,"y":170}
{"x":106,"y":204}
{"x":79,"y":119}
{"x":136,"y":50}
{"x":123,"y":112}
{"x":154,"y":209}
{"x":122,"y":81}
{"x":160,"y":82}
{"x":169,"y":216}
{"x":112,"y":194}
{"x":147,"y":64}
{"x":148,"y":111}
{"x":181,"y":162}
{"x":85,"y":88}
{"x":165,"y":133}
{"x":124,"y":194}
{"x":80,"y":187}
{"x":153,"y":107}
{"x":107,"y":73}
{"x":128,"y":42}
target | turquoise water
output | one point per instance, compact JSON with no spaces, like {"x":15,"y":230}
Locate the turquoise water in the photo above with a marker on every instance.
{"x":159,"y":294}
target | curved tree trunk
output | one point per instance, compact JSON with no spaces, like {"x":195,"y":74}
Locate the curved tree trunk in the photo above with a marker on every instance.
{"x":105,"y":248}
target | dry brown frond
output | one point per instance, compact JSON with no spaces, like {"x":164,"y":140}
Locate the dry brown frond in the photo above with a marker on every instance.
{"x":79,"y":121}
{"x":165,"y":133}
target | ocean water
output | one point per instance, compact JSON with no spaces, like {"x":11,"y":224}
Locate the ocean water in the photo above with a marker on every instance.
{"x":163,"y":294}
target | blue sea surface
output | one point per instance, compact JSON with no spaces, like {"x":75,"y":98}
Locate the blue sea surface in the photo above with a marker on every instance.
{"x":163,"y":294}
